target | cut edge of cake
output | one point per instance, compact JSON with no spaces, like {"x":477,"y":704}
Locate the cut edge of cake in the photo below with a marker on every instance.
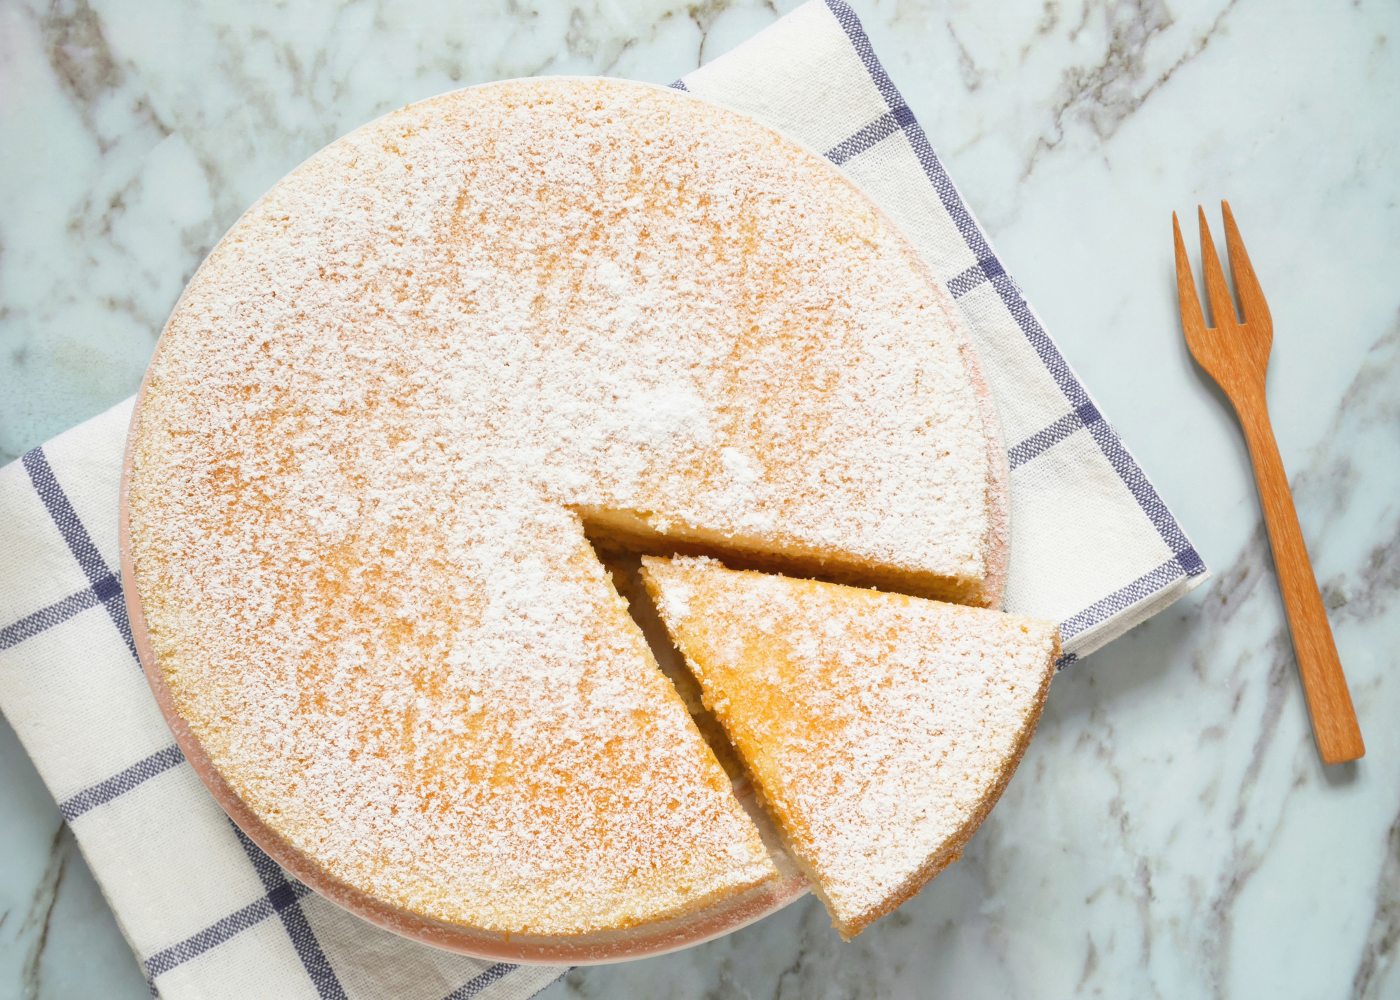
{"x":649,"y":534}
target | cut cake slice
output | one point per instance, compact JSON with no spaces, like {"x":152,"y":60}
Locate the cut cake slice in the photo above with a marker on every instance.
{"x":879,"y":728}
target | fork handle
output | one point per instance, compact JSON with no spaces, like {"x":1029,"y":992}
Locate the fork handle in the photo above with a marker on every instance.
{"x":1329,"y":703}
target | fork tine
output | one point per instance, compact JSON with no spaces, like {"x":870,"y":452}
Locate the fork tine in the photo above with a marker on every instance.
{"x":1191,"y":316}
{"x":1222,"y":306}
{"x":1252,"y":302}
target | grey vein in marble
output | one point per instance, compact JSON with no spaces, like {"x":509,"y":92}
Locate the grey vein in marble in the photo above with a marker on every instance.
{"x":37,"y":921}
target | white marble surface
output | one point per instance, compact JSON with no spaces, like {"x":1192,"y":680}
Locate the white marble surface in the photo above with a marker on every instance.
{"x":1171,"y":833}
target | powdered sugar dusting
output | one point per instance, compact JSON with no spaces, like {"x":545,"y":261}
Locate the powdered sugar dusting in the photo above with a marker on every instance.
{"x":376,"y":408}
{"x":877,"y":725}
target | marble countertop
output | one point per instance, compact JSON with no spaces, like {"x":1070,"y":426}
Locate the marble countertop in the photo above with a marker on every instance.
{"x":1171,"y":832}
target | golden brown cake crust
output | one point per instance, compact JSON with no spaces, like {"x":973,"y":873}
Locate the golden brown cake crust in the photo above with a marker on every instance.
{"x":998,"y":536}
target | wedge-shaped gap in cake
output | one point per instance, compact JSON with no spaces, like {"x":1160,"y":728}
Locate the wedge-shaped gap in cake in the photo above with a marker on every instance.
{"x":624,"y":570}
{"x":879,"y":728}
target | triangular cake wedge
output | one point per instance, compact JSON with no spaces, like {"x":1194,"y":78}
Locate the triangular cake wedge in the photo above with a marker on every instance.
{"x":880,"y":728}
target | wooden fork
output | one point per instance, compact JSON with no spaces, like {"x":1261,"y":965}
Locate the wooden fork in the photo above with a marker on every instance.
{"x":1235,"y":352}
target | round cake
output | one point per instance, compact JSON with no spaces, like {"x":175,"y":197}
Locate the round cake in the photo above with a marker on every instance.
{"x":396,"y":401}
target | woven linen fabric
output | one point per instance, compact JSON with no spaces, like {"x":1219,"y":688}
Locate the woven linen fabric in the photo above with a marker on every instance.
{"x":209,"y":914}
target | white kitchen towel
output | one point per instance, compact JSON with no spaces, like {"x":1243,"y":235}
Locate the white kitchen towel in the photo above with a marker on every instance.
{"x":207,"y":913}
